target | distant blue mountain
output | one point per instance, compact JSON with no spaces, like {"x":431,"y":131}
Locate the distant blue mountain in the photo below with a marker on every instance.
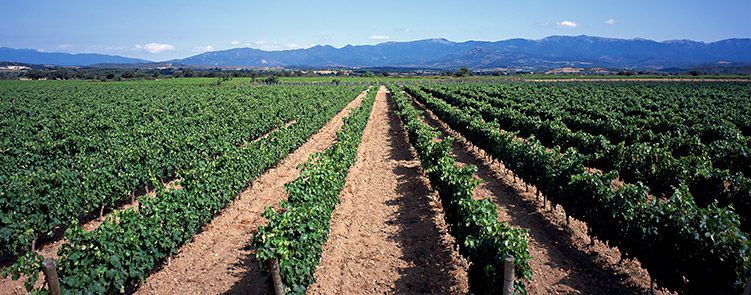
{"x":550,"y":52}
{"x":62,"y":59}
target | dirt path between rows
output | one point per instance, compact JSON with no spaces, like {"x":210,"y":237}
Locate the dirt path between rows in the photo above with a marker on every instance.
{"x":563,"y":261}
{"x":219,"y":259}
{"x":388,"y":234}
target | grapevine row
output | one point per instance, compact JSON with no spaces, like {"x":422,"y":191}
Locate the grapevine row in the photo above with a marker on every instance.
{"x":646,"y":162}
{"x":482,"y":239}
{"x":296,"y":234}
{"x":130,"y":243}
{"x":707,"y":119}
{"x":71,"y":149}
{"x":673,"y":239}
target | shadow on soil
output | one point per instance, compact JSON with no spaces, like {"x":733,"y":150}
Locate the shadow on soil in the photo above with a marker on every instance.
{"x":419,"y":235}
{"x":253,"y":280}
{"x":588,"y":274}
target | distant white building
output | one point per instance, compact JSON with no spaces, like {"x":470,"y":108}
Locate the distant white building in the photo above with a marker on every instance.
{"x":15,"y":68}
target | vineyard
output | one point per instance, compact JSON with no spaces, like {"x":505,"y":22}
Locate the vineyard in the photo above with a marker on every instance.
{"x":684,"y":219}
{"x":413,"y":186}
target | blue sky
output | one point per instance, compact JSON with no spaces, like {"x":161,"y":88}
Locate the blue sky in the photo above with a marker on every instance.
{"x":161,"y":30}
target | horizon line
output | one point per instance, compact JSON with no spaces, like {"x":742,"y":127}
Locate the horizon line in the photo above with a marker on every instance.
{"x":380,"y":43}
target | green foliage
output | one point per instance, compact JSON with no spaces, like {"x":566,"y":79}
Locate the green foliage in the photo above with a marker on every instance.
{"x":643,"y":142}
{"x":271,"y":80}
{"x":203,"y":135}
{"x":482,"y":239}
{"x":674,"y":238}
{"x":464,"y":72}
{"x":296,"y":234}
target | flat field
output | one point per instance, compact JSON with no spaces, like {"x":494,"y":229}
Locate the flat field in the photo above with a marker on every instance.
{"x":376,"y":184}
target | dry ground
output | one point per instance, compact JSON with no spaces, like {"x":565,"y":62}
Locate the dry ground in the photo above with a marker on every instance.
{"x":388,"y":234}
{"x":219,"y":259}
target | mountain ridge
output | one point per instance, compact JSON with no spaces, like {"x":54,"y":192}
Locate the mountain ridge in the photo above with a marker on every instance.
{"x":549,"y":52}
{"x":32,"y":56}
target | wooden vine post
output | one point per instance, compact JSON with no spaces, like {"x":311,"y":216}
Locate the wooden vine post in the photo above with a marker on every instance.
{"x":508,"y":275}
{"x":277,"y":277}
{"x":50,"y":275}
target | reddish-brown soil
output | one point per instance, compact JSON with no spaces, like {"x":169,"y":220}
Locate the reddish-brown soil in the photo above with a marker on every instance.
{"x":563,"y":261}
{"x":388,"y":234}
{"x":219,"y":259}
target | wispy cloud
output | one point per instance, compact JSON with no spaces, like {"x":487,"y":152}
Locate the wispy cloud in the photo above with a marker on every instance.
{"x":266,"y":45}
{"x":65,"y":47}
{"x":203,"y":48}
{"x":566,"y":24}
{"x":235,"y":42}
{"x":154,"y":47}
{"x":379,"y":37}
{"x":611,"y":22}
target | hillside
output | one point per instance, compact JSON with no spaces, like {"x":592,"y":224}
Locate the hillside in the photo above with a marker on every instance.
{"x":546,"y":53}
{"x":32,"y":56}
{"x":550,"y":52}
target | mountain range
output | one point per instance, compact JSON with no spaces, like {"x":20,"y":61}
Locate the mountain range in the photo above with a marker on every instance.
{"x":32,"y":56}
{"x":550,"y":52}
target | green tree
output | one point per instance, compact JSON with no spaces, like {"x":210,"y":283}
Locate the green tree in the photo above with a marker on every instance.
{"x":464,"y":72}
{"x":271,"y":80}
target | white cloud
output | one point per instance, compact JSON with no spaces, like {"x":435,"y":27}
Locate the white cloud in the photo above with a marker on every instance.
{"x":235,"y":42}
{"x":611,"y":22}
{"x":379,"y":37}
{"x":154,"y":47}
{"x":65,"y":47}
{"x":203,"y":48}
{"x":566,"y":24}
{"x":272,"y":46}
